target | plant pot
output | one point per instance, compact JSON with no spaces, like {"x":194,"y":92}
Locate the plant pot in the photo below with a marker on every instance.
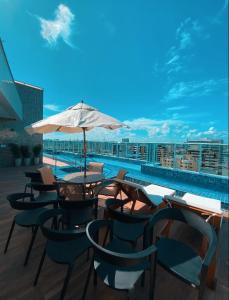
{"x":17,"y":162}
{"x":36,"y":160}
{"x":27,"y":161}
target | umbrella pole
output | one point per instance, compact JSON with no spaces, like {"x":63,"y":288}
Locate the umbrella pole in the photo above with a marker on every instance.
{"x":84,"y":151}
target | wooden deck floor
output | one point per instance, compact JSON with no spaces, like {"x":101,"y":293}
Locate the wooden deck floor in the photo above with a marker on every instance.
{"x":16,"y":280}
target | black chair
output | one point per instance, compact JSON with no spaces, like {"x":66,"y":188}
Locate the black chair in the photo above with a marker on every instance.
{"x":78,"y":212}
{"x":127,"y":227}
{"x":177,"y":257}
{"x":79,"y":209}
{"x":116,"y":263}
{"x":28,"y":218}
{"x":62,"y":246}
{"x":35,"y":177}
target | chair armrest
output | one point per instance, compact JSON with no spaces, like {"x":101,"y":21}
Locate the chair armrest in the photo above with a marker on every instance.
{"x":135,"y":255}
{"x":168,"y":199}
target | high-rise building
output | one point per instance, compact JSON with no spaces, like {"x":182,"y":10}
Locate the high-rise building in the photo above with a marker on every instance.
{"x":20,"y":105}
{"x":125,"y":140}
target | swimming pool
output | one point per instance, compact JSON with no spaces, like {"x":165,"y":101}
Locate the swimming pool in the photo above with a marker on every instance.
{"x":112,"y":166}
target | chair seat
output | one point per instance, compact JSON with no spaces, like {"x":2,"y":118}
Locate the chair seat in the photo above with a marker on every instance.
{"x":29,"y":217}
{"x":128,"y":232}
{"x":66,"y":252}
{"x":180,"y":259}
{"x":47,"y":196}
{"x":116,"y":277}
{"x":108,"y":191}
{"x":115,"y":202}
{"x":77,"y":217}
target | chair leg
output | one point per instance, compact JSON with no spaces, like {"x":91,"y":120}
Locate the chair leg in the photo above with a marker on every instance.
{"x":88,"y":279}
{"x":131,"y":294}
{"x":143,"y":279}
{"x":69,"y":272}
{"x":105,"y":237}
{"x":9,"y":237}
{"x":88,"y":254}
{"x":39,"y":268}
{"x":30,"y":245}
{"x":95,"y":278}
{"x":201,"y":291}
{"x":153,"y":278}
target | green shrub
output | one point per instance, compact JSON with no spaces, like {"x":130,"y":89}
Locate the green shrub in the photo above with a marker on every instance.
{"x":25,"y":151}
{"x":37,"y":150}
{"x":16,"y":151}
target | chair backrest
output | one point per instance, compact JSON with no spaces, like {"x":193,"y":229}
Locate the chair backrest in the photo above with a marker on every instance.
{"x":46,"y":222}
{"x":191,"y":219}
{"x":79,"y":212}
{"x":135,"y":192}
{"x":121,"y":174}
{"x":111,"y":257}
{"x":34,"y":176}
{"x":24,"y":201}
{"x":95,"y":167}
{"x":124,"y":217}
{"x":116,"y":187}
{"x":70,"y":191}
{"x":114,"y":258}
{"x":47,"y":175}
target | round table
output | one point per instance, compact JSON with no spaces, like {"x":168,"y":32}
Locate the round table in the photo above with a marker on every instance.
{"x":78,"y":177}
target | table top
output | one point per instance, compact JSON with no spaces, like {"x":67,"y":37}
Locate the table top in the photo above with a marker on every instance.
{"x":78,"y":177}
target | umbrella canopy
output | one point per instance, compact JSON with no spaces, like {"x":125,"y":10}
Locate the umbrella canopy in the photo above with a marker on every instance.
{"x":75,"y":119}
{"x":78,"y":118}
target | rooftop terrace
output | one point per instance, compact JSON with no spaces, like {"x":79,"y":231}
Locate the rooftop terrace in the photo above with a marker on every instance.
{"x":16,"y":280}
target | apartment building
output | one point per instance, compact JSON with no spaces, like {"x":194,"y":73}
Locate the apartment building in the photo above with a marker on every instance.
{"x":20,"y":105}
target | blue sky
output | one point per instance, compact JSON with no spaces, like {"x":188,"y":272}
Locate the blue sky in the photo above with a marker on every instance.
{"x":160,"y":66}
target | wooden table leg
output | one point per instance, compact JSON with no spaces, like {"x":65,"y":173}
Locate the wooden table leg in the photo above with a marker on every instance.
{"x":211,"y":279}
{"x":166,"y":229}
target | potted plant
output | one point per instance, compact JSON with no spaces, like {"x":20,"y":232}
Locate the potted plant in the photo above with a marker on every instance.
{"x":16,"y":151}
{"x":36,"y":153}
{"x":26,"y":155}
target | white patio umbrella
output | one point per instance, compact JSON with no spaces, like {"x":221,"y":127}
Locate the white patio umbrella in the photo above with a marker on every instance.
{"x":78,"y":118}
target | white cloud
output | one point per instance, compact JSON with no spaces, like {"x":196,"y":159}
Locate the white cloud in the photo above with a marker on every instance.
{"x":217,"y":18}
{"x":185,"y":40}
{"x":52,"y":107}
{"x":211,"y":133}
{"x":147,"y":130}
{"x":175,"y":108}
{"x":194,"y":89}
{"x":177,"y":57}
{"x":60,"y":27}
{"x":173,"y":59}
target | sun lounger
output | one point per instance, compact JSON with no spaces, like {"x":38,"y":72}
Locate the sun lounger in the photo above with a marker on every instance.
{"x":151,"y":195}
{"x":203,"y":203}
{"x":157,"y":192}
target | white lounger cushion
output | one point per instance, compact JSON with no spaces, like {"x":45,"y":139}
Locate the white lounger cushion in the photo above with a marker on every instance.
{"x":154,"y":189}
{"x":204,"y":203}
{"x":156,"y":192}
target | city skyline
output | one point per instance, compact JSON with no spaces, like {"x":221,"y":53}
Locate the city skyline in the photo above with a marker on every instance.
{"x":160,"y":67}
{"x":198,"y":157}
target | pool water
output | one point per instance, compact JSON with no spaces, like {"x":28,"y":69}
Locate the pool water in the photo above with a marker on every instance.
{"x":112,"y":166}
